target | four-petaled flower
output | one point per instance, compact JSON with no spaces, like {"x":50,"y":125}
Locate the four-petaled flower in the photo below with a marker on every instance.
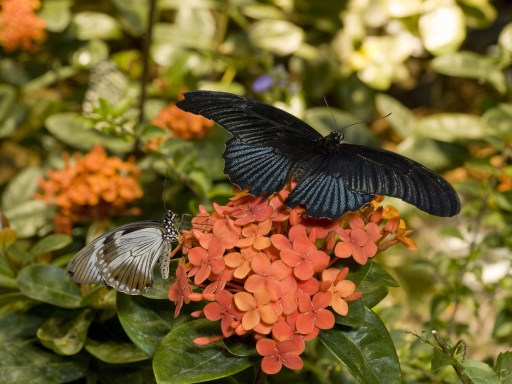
{"x":313,"y":313}
{"x":277,"y":354}
{"x":223,"y":309}
{"x":206,"y":261}
{"x":257,"y":307}
{"x":304,"y":258}
{"x":359,"y":242}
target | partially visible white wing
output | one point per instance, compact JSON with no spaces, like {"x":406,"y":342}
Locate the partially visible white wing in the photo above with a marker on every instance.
{"x":127,"y":262}
{"x":81,"y":268}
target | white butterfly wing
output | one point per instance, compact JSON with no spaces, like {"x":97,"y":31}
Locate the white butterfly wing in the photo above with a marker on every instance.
{"x":82,"y":269}
{"x":127,"y":262}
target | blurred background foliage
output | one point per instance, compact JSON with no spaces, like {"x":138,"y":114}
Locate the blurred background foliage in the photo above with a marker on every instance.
{"x":71,"y":73}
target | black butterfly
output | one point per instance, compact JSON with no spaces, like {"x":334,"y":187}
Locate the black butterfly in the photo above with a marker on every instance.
{"x":271,"y":146}
{"x":124,"y":257}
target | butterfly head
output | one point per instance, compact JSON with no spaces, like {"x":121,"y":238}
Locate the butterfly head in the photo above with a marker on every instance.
{"x":171,"y":231}
{"x":337,"y":136}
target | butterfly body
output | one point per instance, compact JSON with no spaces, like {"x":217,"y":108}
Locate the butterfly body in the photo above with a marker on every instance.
{"x":124,"y":257}
{"x":270,"y":147}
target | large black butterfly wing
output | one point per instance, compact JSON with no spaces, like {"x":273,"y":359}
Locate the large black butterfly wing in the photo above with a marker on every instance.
{"x":332,"y":181}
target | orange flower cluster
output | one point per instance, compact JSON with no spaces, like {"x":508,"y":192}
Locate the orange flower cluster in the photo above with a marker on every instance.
{"x":273,"y":272}
{"x":20,"y":26}
{"x":95,"y":187}
{"x":183,"y":124}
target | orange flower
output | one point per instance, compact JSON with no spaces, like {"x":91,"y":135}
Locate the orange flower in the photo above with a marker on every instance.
{"x":20,"y":26}
{"x":265,"y":269}
{"x":95,"y":187}
{"x":183,"y":124}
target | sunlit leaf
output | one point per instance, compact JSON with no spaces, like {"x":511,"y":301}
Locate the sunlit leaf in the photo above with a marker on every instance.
{"x":479,"y":372}
{"x":442,"y":29}
{"x":56,"y":14}
{"x":451,"y":127}
{"x":401,"y":118}
{"x":96,"y":25}
{"x":367,"y":351}
{"x":277,"y":36}
{"x":178,"y":360}
{"x":498,"y":118}
{"x":439,"y":359}
{"x":65,"y":332}
{"x":134,"y":14}
{"x":29,"y":217}
{"x":21,"y":188}
{"x":503,"y":366}
{"x":505,"y":38}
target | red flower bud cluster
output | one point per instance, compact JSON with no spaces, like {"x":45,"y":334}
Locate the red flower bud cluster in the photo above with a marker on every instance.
{"x":270,"y":271}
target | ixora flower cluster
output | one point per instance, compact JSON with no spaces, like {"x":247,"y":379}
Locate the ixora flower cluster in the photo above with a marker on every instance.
{"x":21,"y":28}
{"x":94,"y":187}
{"x":270,"y":271}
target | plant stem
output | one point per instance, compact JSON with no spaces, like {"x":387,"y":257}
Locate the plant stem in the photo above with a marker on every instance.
{"x":145,"y":59}
{"x":446,"y":350}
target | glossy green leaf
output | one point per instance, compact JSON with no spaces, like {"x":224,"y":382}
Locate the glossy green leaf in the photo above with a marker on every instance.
{"x":479,"y":373}
{"x":96,"y":25}
{"x":137,"y":373}
{"x":355,"y":316}
{"x":277,"y":36}
{"x":160,"y":287}
{"x":433,"y":154}
{"x":49,"y":284}
{"x":321,"y":119}
{"x":147,"y":321}
{"x":367,"y":351}
{"x":378,"y":275}
{"x":48,"y":244}
{"x":241,"y":345}
{"x":440,"y":359}
{"x":401,"y":119}
{"x":451,"y":126}
{"x":115,"y":353}
{"x":65,"y":332}
{"x":70,"y":130}
{"x":22,"y":362}
{"x":56,"y":14}
{"x":357,"y":272}
{"x":21,"y":188}
{"x":22,"y":320}
{"x":178,"y":360}
{"x":373,"y":294}
{"x":504,"y":366}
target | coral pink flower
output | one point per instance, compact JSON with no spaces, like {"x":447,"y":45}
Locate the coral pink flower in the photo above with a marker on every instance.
{"x":359,"y":241}
{"x":207,"y":261}
{"x":278,"y":354}
{"x":257,"y":210}
{"x":267,"y":274}
{"x":257,"y":307}
{"x":304,"y":258}
{"x":223,"y":309}
{"x":313,"y":313}
{"x":180,"y":290}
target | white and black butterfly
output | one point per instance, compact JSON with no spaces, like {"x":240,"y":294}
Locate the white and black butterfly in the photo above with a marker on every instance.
{"x":124,"y":257}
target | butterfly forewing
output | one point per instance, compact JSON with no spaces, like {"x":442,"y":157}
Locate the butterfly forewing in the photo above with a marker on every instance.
{"x":253,"y":122}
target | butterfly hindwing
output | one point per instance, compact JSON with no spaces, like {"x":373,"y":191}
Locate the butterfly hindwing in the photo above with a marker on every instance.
{"x":262,"y":169}
{"x":381,"y":172}
{"x":251,"y":121}
{"x":323,"y":191}
{"x":127,"y":262}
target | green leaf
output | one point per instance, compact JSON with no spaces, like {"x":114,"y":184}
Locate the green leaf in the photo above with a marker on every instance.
{"x":49,"y":284}
{"x":503,"y":366}
{"x":321,"y":118}
{"x":241,"y":345}
{"x":498,"y":118}
{"x":357,"y":272}
{"x":56,"y":14}
{"x":178,"y":360}
{"x":160,"y":287}
{"x":367,"y":351}
{"x":440,"y":359}
{"x":21,"y":362}
{"x":48,"y":244}
{"x":473,"y":66}
{"x":434,"y":154}
{"x":263,"y":11}
{"x":355,"y":315}
{"x":70,"y":130}
{"x":147,"y":321}
{"x":65,"y":331}
{"x":450,"y":127}
{"x":137,"y":373}
{"x":21,"y":188}
{"x":96,"y":25}
{"x":8,"y":282}
{"x":401,"y":119}
{"x":23,"y":320}
{"x":233,"y":87}
{"x":378,"y":275}
{"x":115,"y":353}
{"x":505,"y":38}
{"x":479,"y":373}
{"x":134,"y":15}
{"x":373,"y":294}
{"x":355,"y":96}
{"x":277,"y":36}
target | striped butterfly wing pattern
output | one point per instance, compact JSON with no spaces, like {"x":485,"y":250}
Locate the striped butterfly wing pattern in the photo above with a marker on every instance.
{"x":270,"y":146}
{"x":124,"y":257}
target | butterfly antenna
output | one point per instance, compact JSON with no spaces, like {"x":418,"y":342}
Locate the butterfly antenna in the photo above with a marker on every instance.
{"x":329,"y":108}
{"x":366,"y":122}
{"x":165,"y":187}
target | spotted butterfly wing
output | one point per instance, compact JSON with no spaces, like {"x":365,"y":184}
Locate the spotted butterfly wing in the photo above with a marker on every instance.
{"x":124,"y":257}
{"x":333,"y":177}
